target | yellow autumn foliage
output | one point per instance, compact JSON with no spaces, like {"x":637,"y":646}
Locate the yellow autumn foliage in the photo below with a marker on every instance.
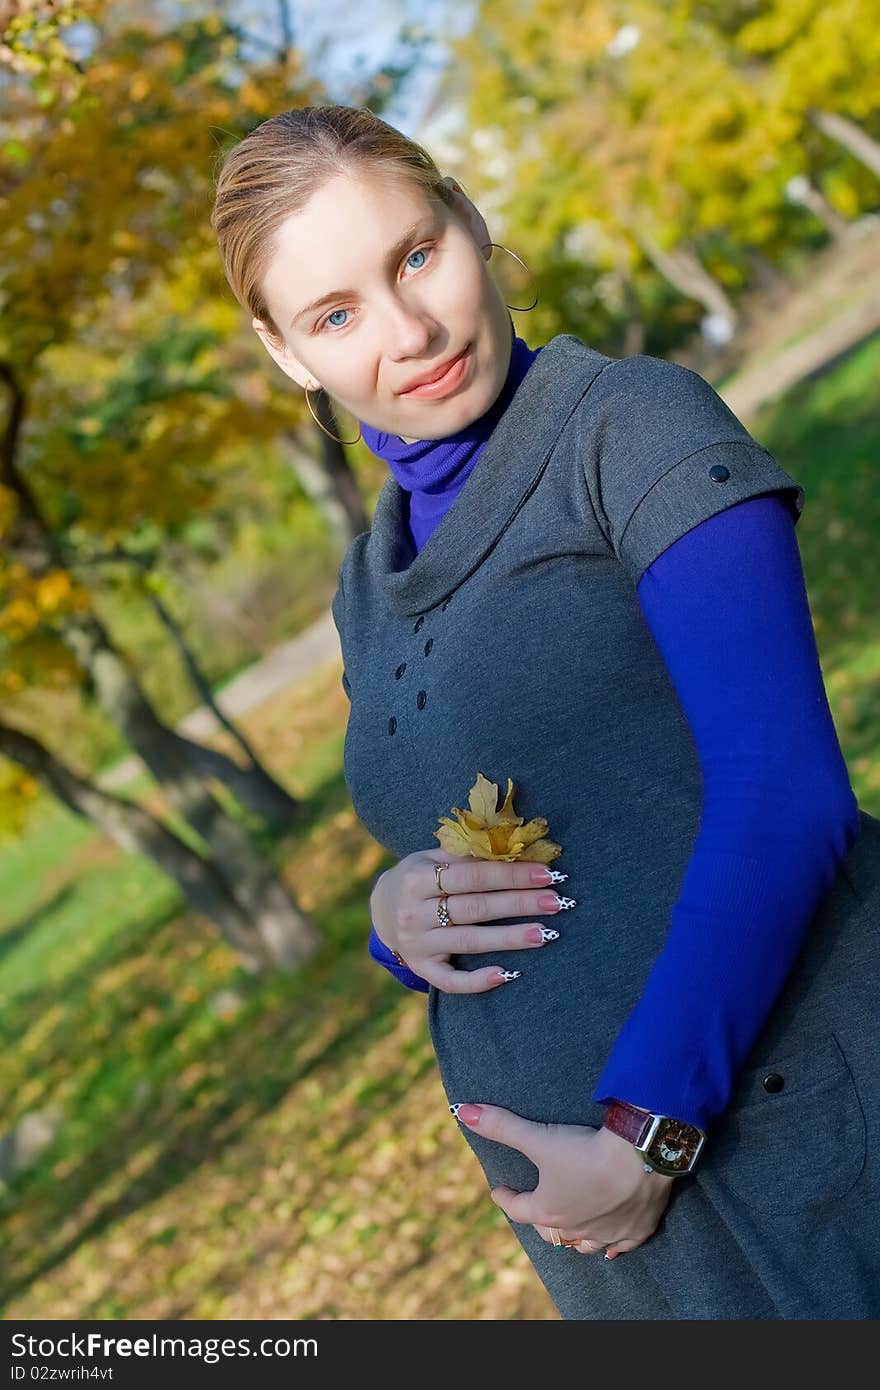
{"x":27,"y":601}
{"x":8,"y":509}
{"x":18,"y":618}
{"x":53,"y":590}
{"x":485,"y":831}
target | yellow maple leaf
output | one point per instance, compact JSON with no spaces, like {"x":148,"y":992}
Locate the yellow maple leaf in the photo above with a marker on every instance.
{"x":487,"y":832}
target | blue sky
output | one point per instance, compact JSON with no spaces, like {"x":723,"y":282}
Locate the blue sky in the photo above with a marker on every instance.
{"x":345,"y":42}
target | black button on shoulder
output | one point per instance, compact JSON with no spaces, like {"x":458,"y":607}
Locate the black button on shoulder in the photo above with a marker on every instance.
{"x":400,"y":670}
{"x":392,"y":724}
{"x":428,"y":645}
{"x":422,"y":699}
{"x":773,"y":1082}
{"x":718,"y":473}
{"x":419,"y":621}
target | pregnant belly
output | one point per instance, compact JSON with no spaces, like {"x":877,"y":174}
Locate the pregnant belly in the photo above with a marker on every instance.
{"x":535,"y":1045}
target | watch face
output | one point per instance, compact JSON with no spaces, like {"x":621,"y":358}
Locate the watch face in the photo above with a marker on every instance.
{"x":675,"y":1146}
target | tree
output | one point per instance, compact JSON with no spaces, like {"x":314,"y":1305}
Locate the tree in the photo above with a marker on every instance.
{"x":103,"y":180}
{"x":637,"y":136}
{"x":818,"y":63}
{"x":134,"y":830}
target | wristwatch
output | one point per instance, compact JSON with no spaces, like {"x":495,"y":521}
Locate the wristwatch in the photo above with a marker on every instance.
{"x":667,"y":1146}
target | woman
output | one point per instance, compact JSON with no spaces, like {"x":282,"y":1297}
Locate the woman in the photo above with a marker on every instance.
{"x":582,"y":575}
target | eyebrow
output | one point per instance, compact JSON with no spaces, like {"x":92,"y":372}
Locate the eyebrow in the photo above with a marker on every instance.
{"x":420,"y":228}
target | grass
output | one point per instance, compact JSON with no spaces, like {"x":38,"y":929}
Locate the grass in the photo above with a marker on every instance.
{"x":826,"y":433}
{"x":230,"y":1146}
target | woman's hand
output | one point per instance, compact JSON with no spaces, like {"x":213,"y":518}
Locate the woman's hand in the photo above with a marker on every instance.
{"x":592,"y":1185}
{"x":404,"y":902}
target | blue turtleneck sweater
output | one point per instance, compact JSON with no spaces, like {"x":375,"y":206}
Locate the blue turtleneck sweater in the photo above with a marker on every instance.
{"x":727,"y":607}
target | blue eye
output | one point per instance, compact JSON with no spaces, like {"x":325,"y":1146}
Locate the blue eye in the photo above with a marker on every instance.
{"x":420,"y":251}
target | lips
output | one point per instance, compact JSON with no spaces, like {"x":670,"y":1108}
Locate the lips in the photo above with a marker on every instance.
{"x":428,"y":377}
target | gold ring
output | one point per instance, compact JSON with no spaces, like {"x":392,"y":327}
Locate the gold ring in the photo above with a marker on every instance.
{"x":577,"y":1240}
{"x":438,"y":868}
{"x":443,"y":911}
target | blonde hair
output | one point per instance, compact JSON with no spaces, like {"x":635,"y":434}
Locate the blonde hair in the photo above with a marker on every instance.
{"x":274,"y":171}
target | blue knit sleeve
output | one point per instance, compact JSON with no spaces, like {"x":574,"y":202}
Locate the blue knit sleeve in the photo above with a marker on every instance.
{"x":381,"y":953}
{"x":727,"y":606}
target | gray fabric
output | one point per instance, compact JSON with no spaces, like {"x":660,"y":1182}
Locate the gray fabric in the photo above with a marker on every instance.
{"x":527,"y":656}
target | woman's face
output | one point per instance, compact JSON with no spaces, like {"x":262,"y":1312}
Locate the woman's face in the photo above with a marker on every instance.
{"x":408,"y":289}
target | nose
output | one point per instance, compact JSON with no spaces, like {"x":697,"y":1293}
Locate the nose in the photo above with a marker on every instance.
{"x":411,"y":328}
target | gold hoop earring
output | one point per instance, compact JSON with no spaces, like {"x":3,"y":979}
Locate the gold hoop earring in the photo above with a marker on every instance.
{"x":318,"y":422}
{"x":524,"y":266}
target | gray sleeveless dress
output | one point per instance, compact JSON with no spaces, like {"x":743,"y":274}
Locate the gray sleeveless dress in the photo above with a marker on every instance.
{"x":526,"y":655}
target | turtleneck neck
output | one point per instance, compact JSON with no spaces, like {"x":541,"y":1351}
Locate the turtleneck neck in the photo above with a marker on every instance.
{"x":434,"y":471}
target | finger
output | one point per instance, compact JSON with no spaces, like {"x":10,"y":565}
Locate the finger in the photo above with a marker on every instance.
{"x":622,"y":1247}
{"x":524,"y":1208}
{"x":451,"y":981}
{"x":505,"y":1127}
{"x":583,"y":1246}
{"x":489,"y":875}
{"x":509,"y":936}
{"x":590,"y":1247}
{"x":467,"y":908}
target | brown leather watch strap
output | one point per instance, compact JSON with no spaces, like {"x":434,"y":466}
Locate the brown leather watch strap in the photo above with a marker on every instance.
{"x":626,"y":1120}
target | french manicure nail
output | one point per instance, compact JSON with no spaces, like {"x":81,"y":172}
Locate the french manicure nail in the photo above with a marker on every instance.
{"x":552,"y":902}
{"x":505,"y":975}
{"x":539,"y":935}
{"x":469,"y":1114}
{"x":543,"y":874}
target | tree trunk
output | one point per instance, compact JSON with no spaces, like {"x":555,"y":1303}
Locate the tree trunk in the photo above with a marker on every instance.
{"x":854,"y":140}
{"x":336,"y":466}
{"x":811,"y":197}
{"x":34,"y":545}
{"x":289,"y":936}
{"x":683,"y":270}
{"x":253,"y":786}
{"x":137,"y":832}
{"x":250,"y":876}
{"x":318,"y":486}
{"x":634,"y":330}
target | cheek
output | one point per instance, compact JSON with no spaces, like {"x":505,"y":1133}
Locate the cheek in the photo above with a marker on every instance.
{"x":345,"y":369}
{"x":479,"y":287}
{"x":461,"y":282}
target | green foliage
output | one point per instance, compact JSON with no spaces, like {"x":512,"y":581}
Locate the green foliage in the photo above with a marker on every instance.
{"x":595,"y":129}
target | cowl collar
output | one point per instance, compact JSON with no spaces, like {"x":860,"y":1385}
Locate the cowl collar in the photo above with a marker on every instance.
{"x":508,"y":469}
